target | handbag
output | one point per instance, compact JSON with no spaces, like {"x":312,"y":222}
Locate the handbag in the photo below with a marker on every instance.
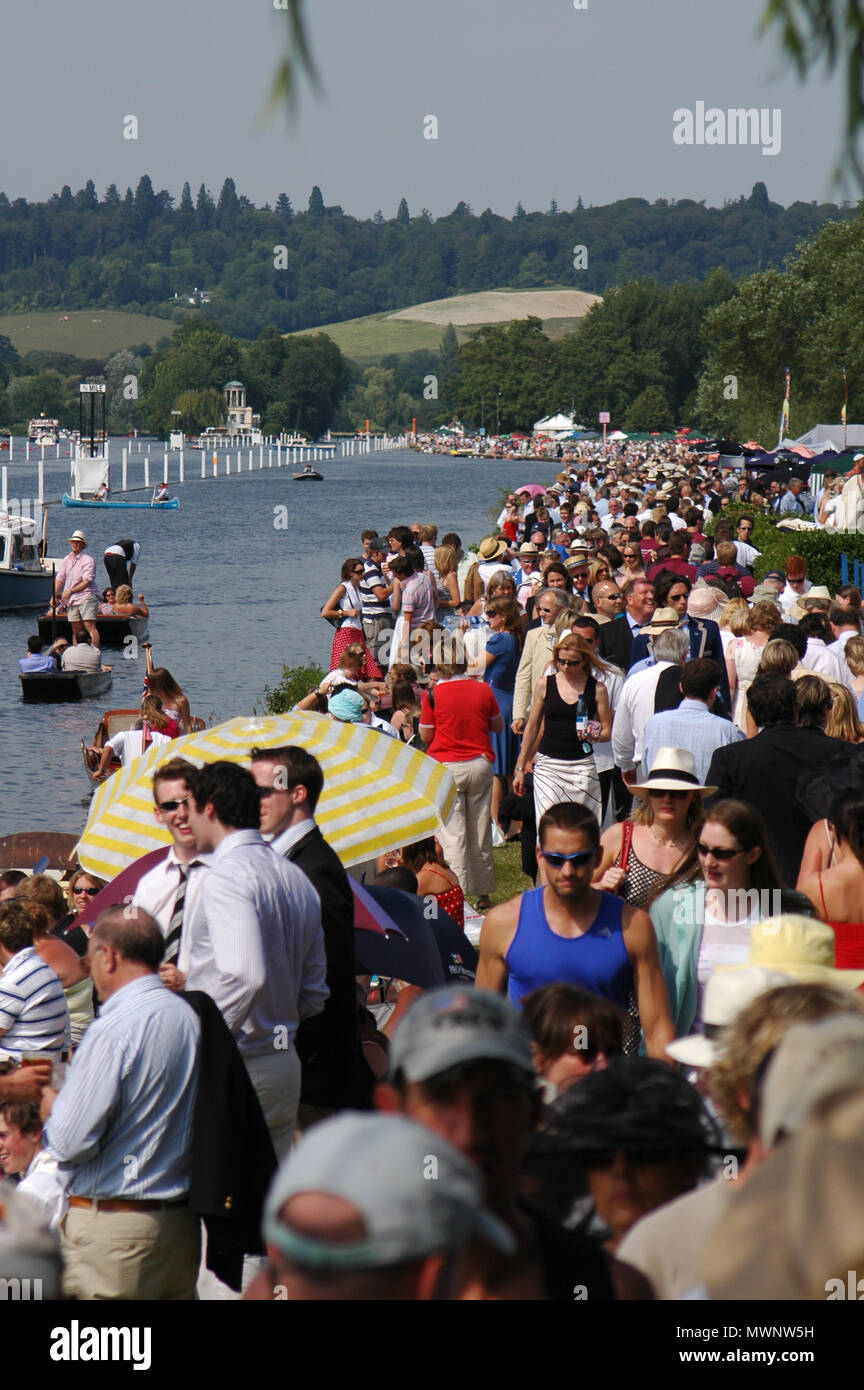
{"x":333,"y":621}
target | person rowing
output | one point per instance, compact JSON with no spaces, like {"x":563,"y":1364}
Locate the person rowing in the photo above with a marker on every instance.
{"x":160,"y":493}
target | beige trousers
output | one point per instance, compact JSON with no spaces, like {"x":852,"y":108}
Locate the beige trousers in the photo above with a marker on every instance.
{"x":140,"y":1255}
{"x":466,"y":839}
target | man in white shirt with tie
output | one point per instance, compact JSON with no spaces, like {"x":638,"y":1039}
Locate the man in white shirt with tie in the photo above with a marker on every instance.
{"x":169,"y":890}
{"x":255,"y":942}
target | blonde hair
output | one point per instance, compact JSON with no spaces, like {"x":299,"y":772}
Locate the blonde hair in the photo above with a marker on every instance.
{"x":854,"y":654}
{"x":123,"y":594}
{"x":763,"y":617}
{"x":594,"y":569}
{"x":445,"y":560}
{"x":779,"y":658}
{"x":755,"y":1032}
{"x":734,"y":616}
{"x":567,"y":617}
{"x":572,"y":642}
{"x":843,"y":721}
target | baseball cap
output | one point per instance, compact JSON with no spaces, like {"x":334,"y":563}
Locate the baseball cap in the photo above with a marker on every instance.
{"x":453,"y":1026}
{"x":381,"y":1165}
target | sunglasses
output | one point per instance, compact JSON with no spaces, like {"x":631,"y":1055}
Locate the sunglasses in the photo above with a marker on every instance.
{"x":171,"y":805}
{"x":91,"y":892}
{"x":562,"y":662}
{"x":580,"y":574}
{"x":721,"y":855}
{"x":659,"y":792}
{"x":558,"y":861}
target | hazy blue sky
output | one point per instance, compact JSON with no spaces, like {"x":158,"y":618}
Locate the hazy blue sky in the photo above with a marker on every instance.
{"x":531,"y":106}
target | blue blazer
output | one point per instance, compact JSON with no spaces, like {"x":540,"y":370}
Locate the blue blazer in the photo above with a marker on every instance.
{"x":704,"y":641}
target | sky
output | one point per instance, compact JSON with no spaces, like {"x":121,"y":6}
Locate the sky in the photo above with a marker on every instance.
{"x":534,"y":100}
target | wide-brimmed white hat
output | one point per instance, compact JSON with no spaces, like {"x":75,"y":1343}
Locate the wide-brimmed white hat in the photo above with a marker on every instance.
{"x":726,"y":994}
{"x":77,"y":536}
{"x":673,"y":770}
{"x":817,"y":593}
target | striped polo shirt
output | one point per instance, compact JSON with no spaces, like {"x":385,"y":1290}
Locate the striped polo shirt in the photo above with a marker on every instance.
{"x":372,"y":606}
{"x":33,"y":1010}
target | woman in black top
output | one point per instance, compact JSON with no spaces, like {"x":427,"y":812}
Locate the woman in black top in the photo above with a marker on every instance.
{"x":569,"y":712}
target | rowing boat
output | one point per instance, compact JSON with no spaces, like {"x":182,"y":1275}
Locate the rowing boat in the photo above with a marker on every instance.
{"x":113,"y":632}
{"x":62,"y":687}
{"x":115,"y":721}
{"x":171,"y":505}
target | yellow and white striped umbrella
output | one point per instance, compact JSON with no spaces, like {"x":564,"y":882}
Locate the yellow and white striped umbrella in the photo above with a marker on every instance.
{"x":378,"y":793}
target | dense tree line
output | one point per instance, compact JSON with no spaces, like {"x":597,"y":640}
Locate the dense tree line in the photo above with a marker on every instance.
{"x":300,"y":269}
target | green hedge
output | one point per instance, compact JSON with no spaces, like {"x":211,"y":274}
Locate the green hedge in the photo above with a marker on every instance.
{"x":821,"y":549}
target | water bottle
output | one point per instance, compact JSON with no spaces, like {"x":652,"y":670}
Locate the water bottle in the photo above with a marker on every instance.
{"x":581,"y":718}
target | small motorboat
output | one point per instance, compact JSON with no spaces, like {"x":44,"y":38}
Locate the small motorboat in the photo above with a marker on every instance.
{"x":115,"y":721}
{"x":309,"y":475}
{"x":63,"y":687}
{"x":25,"y":580}
{"x":172,"y":504}
{"x":112,"y":631}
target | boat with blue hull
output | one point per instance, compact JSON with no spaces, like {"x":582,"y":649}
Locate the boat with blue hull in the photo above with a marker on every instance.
{"x":170,"y":506}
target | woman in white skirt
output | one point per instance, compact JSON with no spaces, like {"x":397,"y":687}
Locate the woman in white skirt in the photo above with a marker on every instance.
{"x":569,"y":711}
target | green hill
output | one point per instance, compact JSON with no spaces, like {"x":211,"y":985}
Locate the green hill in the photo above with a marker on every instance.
{"x":421,"y":326}
{"x":85,"y":333}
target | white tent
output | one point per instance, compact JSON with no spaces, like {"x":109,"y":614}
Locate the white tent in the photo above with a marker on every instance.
{"x":88,"y":474}
{"x":555,"y":425}
{"x":829,"y":437}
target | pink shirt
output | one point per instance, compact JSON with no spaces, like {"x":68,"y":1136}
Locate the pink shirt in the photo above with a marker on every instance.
{"x":76,"y":568}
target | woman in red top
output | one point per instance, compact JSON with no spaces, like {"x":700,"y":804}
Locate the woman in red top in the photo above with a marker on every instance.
{"x":456,"y":718}
{"x":837,"y":894}
{"x":434,"y":878}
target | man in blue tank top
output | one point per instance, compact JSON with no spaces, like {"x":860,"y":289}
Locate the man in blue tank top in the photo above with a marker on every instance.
{"x":571,"y":933}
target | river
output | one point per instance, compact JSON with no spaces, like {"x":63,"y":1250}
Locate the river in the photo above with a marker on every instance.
{"x":232,"y":594}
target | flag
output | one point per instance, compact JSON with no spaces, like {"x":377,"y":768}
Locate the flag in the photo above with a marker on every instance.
{"x":784,"y":417}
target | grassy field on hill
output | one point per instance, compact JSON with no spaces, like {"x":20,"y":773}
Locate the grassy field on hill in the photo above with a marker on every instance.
{"x":84,"y":332}
{"x":421,"y":326}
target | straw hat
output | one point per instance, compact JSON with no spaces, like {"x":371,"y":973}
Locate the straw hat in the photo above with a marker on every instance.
{"x":491,"y":549}
{"x":798,"y":946}
{"x":78,"y":536}
{"x":528,"y":548}
{"x":817,"y":597}
{"x":725,"y":996}
{"x":662,"y":620}
{"x":674,"y":770}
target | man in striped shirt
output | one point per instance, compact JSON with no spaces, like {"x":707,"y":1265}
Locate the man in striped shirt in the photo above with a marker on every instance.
{"x":33,"y":1013}
{"x":122,"y":1126}
{"x":375,"y":591}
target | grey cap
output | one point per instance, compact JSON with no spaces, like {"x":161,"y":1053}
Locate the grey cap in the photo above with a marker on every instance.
{"x":455,"y":1025}
{"x":811,"y":1062}
{"x":376,"y":543}
{"x":417,"y":1195}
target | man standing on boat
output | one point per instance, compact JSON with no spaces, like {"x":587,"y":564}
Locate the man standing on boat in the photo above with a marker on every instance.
{"x":121,"y":561}
{"x":75,"y":587}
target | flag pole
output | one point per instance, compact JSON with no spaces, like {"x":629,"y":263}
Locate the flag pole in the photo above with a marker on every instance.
{"x":845,"y":404}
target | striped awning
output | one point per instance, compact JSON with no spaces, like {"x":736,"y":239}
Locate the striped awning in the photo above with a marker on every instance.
{"x":378,"y":793}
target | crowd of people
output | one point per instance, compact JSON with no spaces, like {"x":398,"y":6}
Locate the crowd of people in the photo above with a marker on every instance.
{"x":203,"y":1093}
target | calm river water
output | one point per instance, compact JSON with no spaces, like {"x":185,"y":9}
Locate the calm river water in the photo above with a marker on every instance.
{"x":231,"y":597}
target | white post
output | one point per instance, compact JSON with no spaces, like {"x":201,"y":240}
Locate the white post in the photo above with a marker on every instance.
{"x":269,"y":458}
{"x":147,"y":469}
{"x":251,"y":452}
{"x":40,"y":498}
{"x":182,"y":468}
{"x":261,"y":456}
{"x":124,"y":464}
{"x":11,"y":446}
{"x":165,"y":466}
{"x":4,"y":490}
{"x":203,"y":466}
{"x":27,"y":451}
{"x":215,"y":464}
{"x":227,"y":465}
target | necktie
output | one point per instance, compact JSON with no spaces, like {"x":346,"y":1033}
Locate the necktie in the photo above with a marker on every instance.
{"x":175,"y":926}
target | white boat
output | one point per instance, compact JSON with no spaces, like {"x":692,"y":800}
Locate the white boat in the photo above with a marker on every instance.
{"x":25,"y":580}
{"x":43,"y":431}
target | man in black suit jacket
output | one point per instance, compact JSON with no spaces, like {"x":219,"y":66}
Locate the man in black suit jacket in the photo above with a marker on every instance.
{"x":617,"y":638}
{"x":335,"y":1072}
{"x":673,"y":591}
{"x":772,"y":770}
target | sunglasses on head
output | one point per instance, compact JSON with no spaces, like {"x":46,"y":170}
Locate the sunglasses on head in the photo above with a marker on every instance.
{"x":559,"y":860}
{"x":721,"y":855}
{"x":172,"y":805}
